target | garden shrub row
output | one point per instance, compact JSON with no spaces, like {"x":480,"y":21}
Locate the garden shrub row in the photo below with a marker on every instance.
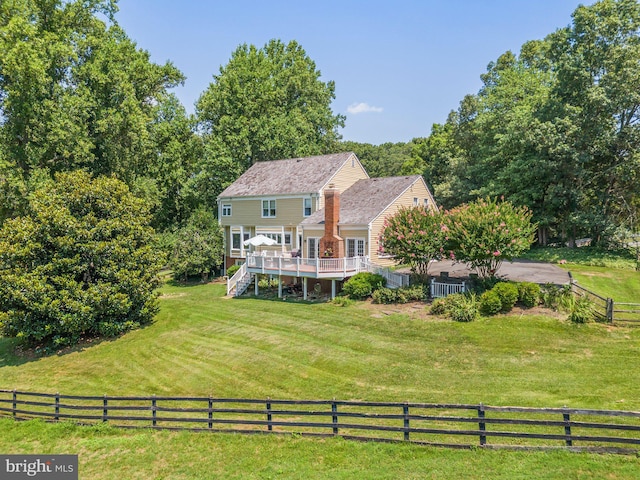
{"x":415,"y":293}
{"x":362,"y":285}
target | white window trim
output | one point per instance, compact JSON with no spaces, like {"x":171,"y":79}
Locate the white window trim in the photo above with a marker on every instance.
{"x":355,"y":241}
{"x":304,"y":208}
{"x":226,"y":206}
{"x":275,"y":208}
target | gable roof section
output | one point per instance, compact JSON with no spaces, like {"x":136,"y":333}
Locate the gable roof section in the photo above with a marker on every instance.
{"x":366,"y":199}
{"x":291,"y":176}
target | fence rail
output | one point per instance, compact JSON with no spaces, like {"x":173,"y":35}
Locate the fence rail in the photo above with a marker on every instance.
{"x":452,"y":425}
{"x":607,"y":308}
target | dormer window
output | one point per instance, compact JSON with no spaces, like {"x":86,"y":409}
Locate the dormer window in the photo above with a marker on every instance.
{"x":268,"y":208}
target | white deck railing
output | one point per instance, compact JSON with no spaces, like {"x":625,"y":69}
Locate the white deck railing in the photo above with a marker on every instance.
{"x":232,"y":283}
{"x":443,"y":289}
{"x":341,"y":267}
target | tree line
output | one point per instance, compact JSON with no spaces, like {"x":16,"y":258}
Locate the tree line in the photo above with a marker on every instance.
{"x":554,"y":128}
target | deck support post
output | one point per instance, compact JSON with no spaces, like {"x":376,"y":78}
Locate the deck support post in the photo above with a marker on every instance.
{"x":304,"y":288}
{"x":279,"y":286}
{"x":256,"y":288}
{"x":333,"y":289}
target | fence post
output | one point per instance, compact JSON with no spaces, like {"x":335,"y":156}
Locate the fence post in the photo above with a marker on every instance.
{"x":15,"y":402}
{"x":269,"y":417}
{"x":433,"y":287}
{"x":105,"y":411}
{"x":334,"y":416}
{"x":57,"y":417}
{"x":405,"y":412}
{"x":567,"y":428}
{"x":481,"y":425}
{"x":210,"y":412}
{"x":153,"y":410}
{"x":610,"y":310}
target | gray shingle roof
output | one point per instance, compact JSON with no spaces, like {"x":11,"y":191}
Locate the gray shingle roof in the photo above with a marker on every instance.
{"x":291,"y":176}
{"x":366,"y":199}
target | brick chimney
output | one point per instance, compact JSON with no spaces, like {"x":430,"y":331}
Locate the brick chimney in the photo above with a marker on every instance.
{"x":331,"y":245}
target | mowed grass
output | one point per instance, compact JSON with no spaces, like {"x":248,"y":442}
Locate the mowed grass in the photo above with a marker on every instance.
{"x":106,"y":453}
{"x":621,"y":285}
{"x":203,"y":344}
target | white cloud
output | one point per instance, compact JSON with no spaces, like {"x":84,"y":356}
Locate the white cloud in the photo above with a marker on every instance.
{"x":362,"y":107}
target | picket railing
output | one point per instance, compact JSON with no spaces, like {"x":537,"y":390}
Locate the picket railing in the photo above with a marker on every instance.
{"x":439,"y":289}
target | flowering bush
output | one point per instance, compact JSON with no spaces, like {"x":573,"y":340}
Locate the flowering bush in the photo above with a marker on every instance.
{"x":486,"y":232}
{"x":415,"y":236}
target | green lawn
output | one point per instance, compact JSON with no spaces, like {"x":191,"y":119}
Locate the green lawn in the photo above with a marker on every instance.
{"x":204,"y":344}
{"x":621,"y":285}
{"x":106,"y":453}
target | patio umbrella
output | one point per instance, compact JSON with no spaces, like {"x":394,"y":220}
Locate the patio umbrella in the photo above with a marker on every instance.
{"x":259,"y":240}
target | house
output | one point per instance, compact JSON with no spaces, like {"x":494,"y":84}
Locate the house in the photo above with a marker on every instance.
{"x":323,"y":213}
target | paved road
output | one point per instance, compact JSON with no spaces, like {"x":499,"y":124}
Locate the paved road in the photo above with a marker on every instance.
{"x":518,"y":270}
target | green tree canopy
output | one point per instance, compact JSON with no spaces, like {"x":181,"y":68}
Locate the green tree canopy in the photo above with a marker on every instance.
{"x":269,"y":103}
{"x":198,"y":248}
{"x":75,"y":92}
{"x":80,"y":262}
{"x":555,"y":128}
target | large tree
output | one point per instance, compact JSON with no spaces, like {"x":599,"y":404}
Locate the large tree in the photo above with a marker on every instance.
{"x":269,"y":103}
{"x":79,"y":262}
{"x":556,"y":128}
{"x":75,"y":92}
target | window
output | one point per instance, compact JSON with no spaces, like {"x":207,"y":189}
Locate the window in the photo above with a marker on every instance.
{"x":246,"y":236}
{"x":226,"y":210}
{"x":426,"y":202}
{"x":235,"y":240}
{"x":307,"y":206}
{"x":355,"y":247}
{"x":287,"y":239}
{"x":415,"y":201}
{"x":268,"y":208}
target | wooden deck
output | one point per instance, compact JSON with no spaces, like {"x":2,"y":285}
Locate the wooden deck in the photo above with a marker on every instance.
{"x":329,"y":268}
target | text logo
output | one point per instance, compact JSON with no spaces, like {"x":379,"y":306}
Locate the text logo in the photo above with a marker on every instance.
{"x":49,"y":467}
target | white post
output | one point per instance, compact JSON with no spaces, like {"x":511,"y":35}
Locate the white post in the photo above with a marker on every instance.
{"x":279,"y":286}
{"x":255,"y":279}
{"x":304,"y":288}
{"x":433,"y":287}
{"x":333,"y":289}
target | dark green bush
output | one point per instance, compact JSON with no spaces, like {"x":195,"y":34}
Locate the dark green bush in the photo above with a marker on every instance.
{"x":362,"y":285}
{"x":508,"y":293}
{"x":490,"y":303}
{"x":232,"y":270}
{"x":528,"y":294}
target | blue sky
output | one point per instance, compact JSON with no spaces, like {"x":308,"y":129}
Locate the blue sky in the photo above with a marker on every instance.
{"x":399,"y":66}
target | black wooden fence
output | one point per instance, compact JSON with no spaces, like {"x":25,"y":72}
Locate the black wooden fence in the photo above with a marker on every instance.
{"x":450,"y":425}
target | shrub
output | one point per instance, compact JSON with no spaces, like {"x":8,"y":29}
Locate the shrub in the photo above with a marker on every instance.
{"x":582,"y":310}
{"x":490,"y":303}
{"x":266,"y":282}
{"x":385,"y":296}
{"x":232,"y":270}
{"x":362,"y":285}
{"x":557,"y":298}
{"x":508,"y":294}
{"x":438,"y":306}
{"x":343,"y":301}
{"x":528,"y":294}
{"x":462,"y":307}
{"x":415,"y":293}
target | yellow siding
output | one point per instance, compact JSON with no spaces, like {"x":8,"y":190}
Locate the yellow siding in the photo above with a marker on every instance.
{"x":347,"y":175}
{"x":249,"y":212}
{"x":418,"y":190}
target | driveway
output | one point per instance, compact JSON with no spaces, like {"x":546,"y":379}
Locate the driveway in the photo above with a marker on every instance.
{"x":518,"y":270}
